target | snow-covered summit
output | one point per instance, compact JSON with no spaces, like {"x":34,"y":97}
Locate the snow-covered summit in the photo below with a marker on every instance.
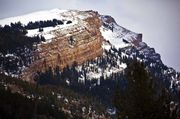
{"x":129,"y":42}
{"x":76,"y":18}
{"x":117,"y":35}
{"x":46,"y":15}
{"x":35,"y":16}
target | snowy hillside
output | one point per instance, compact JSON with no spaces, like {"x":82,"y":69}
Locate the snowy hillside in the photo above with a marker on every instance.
{"x":36,"y":16}
{"x":45,"y":15}
{"x":133,"y":47}
{"x":82,"y":51}
{"x":117,"y":40}
{"x":74,"y":16}
{"x":117,"y":35}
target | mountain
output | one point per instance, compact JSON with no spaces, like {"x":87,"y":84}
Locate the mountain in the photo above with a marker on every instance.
{"x":85,"y":49}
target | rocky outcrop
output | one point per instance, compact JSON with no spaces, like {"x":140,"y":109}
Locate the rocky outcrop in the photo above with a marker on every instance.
{"x":78,"y":43}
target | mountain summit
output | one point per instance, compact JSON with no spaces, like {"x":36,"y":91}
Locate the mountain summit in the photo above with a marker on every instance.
{"x":76,"y":36}
{"x":91,"y":45}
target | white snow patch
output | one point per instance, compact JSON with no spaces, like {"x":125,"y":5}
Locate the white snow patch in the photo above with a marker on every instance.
{"x":115,"y":38}
{"x":107,"y":72}
{"x":93,"y":75}
{"x":123,"y":65}
{"x":48,"y":32}
{"x":47,"y":15}
{"x":106,"y":46}
{"x":68,"y":82}
{"x":48,"y":36}
{"x":35,"y":16}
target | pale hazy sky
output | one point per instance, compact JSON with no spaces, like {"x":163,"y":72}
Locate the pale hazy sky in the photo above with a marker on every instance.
{"x":158,"y":20}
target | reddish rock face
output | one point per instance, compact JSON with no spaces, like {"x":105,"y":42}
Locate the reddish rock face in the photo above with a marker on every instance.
{"x":79,"y":43}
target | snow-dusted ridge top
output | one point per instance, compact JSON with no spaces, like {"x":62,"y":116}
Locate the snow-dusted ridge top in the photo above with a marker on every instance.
{"x":115,"y":37}
{"x":75,"y":16}
{"x":35,"y":16}
{"x":44,"y":15}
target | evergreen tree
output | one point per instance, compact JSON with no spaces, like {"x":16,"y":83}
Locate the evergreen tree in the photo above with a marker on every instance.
{"x":140,"y":98}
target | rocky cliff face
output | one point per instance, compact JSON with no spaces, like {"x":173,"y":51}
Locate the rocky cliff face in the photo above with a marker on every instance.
{"x":84,"y":35}
{"x":81,"y":36}
{"x":75,"y":44}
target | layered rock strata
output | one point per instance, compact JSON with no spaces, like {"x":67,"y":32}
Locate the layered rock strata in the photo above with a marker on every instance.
{"x":78,"y":43}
